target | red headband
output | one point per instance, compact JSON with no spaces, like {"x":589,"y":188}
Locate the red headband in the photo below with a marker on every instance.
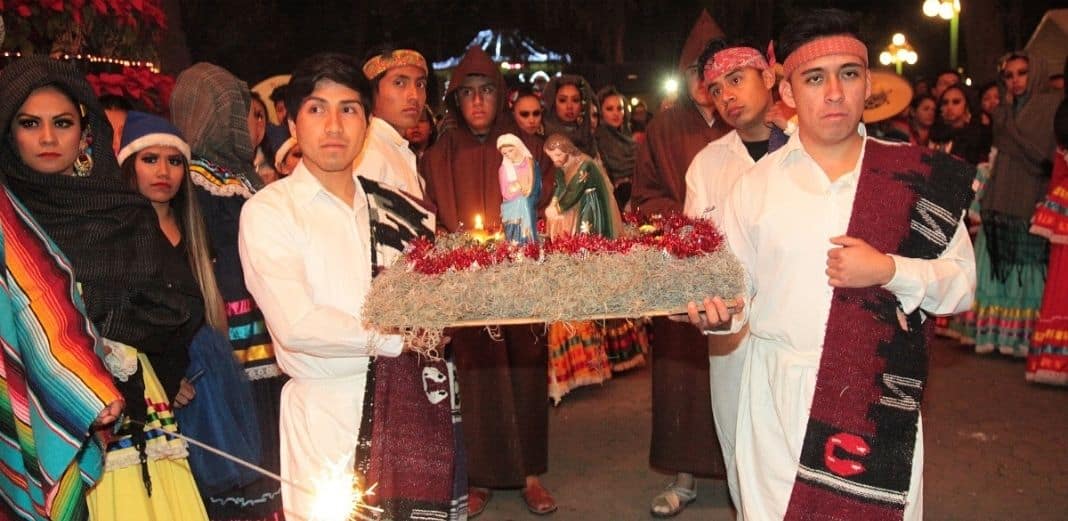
{"x":734,"y":58}
{"x":826,"y":46}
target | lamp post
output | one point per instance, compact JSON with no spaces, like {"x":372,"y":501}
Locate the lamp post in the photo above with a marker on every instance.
{"x":899,"y":52}
{"x":946,"y":10}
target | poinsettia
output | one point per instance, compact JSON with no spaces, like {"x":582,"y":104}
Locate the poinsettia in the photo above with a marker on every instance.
{"x":150,"y":89}
{"x":121,"y":28}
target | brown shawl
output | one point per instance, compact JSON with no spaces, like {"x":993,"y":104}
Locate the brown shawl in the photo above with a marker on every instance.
{"x":461,"y":169}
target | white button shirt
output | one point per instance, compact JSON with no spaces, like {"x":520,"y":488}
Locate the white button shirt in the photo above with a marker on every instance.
{"x":386,"y":158}
{"x":779,"y":220}
{"x":712,"y":174}
{"x":709,"y":181}
{"x":307,"y":261}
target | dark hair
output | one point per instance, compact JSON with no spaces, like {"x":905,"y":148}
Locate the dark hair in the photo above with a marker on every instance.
{"x":608,"y":92}
{"x":982,"y":92}
{"x":338,"y":68}
{"x":113,"y":102}
{"x":255,"y":96}
{"x":720,"y":44}
{"x":520,"y":92}
{"x":969,"y":98}
{"x":387,"y":49}
{"x":279,"y":94}
{"x":949,"y":71}
{"x":919,"y":99}
{"x":812,"y":25}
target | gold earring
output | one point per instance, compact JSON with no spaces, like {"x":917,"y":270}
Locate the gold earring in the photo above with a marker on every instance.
{"x":83,"y":165}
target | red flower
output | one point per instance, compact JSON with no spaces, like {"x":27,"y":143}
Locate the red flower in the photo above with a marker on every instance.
{"x":99,"y":6}
{"x":55,"y":5}
{"x":23,"y":11}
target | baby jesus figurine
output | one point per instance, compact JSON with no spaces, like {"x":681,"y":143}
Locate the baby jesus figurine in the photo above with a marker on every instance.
{"x":520,"y":180}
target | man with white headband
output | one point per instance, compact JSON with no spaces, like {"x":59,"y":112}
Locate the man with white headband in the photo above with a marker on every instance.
{"x":739,"y":80}
{"x":849,"y":243}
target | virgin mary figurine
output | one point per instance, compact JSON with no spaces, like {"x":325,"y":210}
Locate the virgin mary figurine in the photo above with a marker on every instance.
{"x":520,"y":180}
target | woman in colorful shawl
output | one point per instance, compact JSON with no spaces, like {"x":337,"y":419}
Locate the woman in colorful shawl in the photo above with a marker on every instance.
{"x":1011,"y":262}
{"x":50,"y":363}
{"x":212,"y":110}
{"x":1047,"y":362}
{"x":145,"y":313}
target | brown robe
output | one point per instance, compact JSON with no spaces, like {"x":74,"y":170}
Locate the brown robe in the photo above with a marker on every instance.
{"x":503,"y":385}
{"x":684,"y":434}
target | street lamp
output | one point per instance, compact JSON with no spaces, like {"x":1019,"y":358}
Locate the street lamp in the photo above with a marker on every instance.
{"x":946,"y":10}
{"x":899,"y":52}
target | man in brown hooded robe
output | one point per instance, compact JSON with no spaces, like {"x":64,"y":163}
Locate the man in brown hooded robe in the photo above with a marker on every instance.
{"x":502,"y":378}
{"x":684,"y":436}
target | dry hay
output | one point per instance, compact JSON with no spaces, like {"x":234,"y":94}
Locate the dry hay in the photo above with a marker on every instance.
{"x":558,"y":288}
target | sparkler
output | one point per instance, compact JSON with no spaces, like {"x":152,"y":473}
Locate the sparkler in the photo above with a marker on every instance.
{"x":336,"y":496}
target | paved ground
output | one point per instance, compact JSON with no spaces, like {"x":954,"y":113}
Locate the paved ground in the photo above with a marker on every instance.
{"x":997,"y":449}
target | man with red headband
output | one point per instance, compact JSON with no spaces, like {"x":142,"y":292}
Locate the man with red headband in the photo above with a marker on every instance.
{"x":850,"y":243}
{"x":739,"y":80}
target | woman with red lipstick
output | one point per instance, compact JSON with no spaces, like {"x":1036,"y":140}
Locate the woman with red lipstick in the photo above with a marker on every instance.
{"x":569,"y":102}
{"x":155,"y":161}
{"x":57,"y":157}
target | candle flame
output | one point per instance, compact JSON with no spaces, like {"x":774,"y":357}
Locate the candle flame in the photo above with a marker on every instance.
{"x":478,"y":221}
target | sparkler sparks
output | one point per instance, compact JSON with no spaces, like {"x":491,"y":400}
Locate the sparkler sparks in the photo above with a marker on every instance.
{"x":336,"y":496}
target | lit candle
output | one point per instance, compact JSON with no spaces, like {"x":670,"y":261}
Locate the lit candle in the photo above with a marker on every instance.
{"x":478,"y":233}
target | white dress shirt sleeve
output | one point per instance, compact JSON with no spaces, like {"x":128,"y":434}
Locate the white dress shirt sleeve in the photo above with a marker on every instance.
{"x":275,"y":275}
{"x":696,"y":201}
{"x":740,"y":244}
{"x":940,"y":286}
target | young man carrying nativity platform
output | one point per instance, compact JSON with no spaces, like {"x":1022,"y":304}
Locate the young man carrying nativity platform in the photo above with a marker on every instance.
{"x":310,"y":245}
{"x":849,"y":243}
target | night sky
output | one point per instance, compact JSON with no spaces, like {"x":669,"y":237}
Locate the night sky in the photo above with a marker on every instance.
{"x":257,"y":39}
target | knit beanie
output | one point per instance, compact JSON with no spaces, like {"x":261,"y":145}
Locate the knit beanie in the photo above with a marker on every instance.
{"x":144,"y":130}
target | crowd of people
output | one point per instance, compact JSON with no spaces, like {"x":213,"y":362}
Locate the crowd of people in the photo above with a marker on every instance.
{"x":204,"y":274}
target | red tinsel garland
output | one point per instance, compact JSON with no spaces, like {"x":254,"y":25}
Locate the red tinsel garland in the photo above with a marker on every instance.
{"x":677,"y":235}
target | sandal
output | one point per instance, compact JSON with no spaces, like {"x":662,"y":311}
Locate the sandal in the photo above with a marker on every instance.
{"x":672,"y":500}
{"x":476,"y":500}
{"x":538,"y":500}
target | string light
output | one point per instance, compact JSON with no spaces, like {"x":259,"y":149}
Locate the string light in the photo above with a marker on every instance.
{"x":91,"y":58}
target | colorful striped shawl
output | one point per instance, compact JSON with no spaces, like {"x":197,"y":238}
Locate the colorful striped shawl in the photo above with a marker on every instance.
{"x":52,"y":383}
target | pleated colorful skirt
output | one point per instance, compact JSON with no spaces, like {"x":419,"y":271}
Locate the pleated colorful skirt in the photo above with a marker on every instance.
{"x":122,"y":494}
{"x":1009,"y":286}
{"x":577,"y":357}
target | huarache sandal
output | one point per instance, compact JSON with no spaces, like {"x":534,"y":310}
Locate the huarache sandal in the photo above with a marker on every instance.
{"x":672,"y":500}
{"x":538,"y":500}
{"x":477,"y":499}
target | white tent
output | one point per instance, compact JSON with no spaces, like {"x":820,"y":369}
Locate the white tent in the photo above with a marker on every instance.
{"x":1050,"y":39}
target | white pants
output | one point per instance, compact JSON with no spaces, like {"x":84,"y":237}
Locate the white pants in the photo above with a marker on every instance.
{"x":319,"y":425}
{"x":725,"y":381}
{"x":772,"y":418}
